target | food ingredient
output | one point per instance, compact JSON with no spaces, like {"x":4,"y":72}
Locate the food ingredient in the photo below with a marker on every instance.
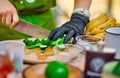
{"x":100,"y":29}
{"x":61,"y":47}
{"x":102,"y":18}
{"x":116,"y":70}
{"x":97,"y":26}
{"x":42,"y":43}
{"x":96,"y":37}
{"x":56,"y":69}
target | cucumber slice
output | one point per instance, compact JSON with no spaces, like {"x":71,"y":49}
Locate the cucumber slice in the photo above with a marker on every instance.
{"x":43,"y":47}
{"x":53,"y":43}
{"x":61,"y":47}
{"x":34,"y":46}
{"x":45,"y":41}
{"x":36,"y":41}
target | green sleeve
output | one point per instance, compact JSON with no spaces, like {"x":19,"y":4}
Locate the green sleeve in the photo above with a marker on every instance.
{"x":33,"y":6}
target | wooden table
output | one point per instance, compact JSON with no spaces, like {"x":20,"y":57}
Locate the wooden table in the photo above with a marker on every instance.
{"x":19,"y":75}
{"x":79,"y":64}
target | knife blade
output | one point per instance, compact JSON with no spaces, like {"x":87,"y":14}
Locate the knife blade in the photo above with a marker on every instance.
{"x":31,"y":29}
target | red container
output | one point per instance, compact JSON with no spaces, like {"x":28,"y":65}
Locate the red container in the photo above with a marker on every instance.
{"x":6,"y":65}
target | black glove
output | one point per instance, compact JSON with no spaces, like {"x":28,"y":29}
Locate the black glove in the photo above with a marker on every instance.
{"x":72,"y":28}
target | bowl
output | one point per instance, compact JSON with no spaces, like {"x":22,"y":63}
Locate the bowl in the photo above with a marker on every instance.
{"x":70,"y":52}
{"x":88,"y":43}
{"x":38,"y":71}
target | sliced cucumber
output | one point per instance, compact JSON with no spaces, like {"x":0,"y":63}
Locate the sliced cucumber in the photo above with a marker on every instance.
{"x":53,"y":43}
{"x":43,"y":47}
{"x":61,"y":47}
{"x":45,"y":41}
{"x":36,"y":41}
{"x":34,"y":46}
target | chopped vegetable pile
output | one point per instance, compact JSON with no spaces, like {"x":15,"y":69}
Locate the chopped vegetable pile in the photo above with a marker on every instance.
{"x":42,"y":43}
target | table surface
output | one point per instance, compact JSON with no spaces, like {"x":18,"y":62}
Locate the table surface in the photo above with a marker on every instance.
{"x":79,"y":64}
{"x":35,"y":32}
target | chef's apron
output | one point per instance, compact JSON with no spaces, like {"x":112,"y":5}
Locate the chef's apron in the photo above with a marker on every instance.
{"x":37,"y":12}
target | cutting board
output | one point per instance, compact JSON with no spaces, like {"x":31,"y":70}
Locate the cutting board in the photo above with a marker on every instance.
{"x":35,"y":56}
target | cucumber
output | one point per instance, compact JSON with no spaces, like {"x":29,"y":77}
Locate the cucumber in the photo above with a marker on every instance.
{"x":34,"y":46}
{"x":43,"y":47}
{"x":36,"y":41}
{"x":61,"y":47}
{"x":45,"y":41}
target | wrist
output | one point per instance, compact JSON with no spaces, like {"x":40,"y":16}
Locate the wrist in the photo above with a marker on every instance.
{"x":79,"y":17}
{"x":82,"y":11}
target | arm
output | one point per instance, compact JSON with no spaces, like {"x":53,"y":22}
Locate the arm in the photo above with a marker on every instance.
{"x":76,"y":24}
{"x":82,"y":7}
{"x":8,"y":13}
{"x":77,"y":4}
{"x":67,"y":9}
{"x":82,"y":4}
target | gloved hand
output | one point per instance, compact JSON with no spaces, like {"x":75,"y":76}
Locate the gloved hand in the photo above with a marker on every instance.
{"x":72,"y":28}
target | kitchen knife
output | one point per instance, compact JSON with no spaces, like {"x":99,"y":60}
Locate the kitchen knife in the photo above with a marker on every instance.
{"x":10,"y":34}
{"x":31,"y":29}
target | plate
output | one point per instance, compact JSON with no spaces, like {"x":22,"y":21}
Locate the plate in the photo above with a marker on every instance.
{"x":37,"y":71}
